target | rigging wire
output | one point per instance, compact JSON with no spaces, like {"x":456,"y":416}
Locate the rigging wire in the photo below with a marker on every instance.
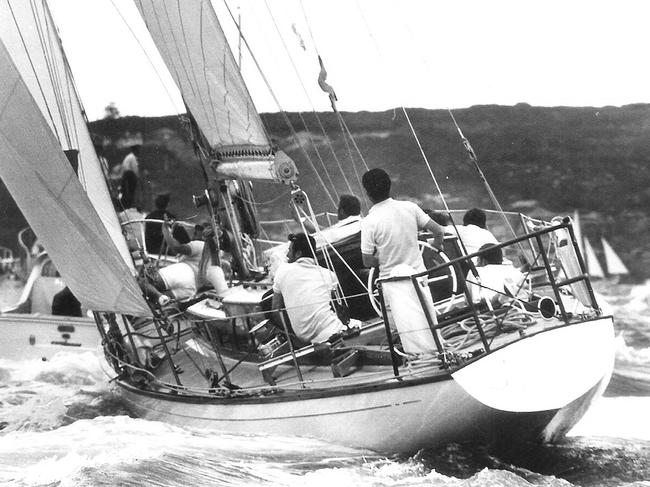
{"x":31,"y":62}
{"x":339,"y":116}
{"x":408,"y":119}
{"x":151,"y":63}
{"x":304,"y":89}
{"x":53,"y":73}
{"x":277,"y":102}
{"x":354,"y":167}
{"x":474,"y":160}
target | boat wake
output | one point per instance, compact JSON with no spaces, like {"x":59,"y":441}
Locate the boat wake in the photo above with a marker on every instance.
{"x":631,"y":306}
{"x":120,"y":450}
{"x":41,"y":396}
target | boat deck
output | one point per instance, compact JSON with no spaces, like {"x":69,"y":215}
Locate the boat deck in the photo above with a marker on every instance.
{"x":200,"y":369}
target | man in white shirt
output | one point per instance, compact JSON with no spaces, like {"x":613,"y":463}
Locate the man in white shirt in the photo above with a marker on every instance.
{"x":179,"y":242}
{"x":473,"y":232}
{"x":349,"y":221}
{"x":389,"y":240}
{"x":389,"y":234}
{"x":130,"y":172}
{"x":498,"y":281}
{"x":305,"y":289}
{"x":182,"y":279}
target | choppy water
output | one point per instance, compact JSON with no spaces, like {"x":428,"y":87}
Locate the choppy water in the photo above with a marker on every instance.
{"x":61,"y":425}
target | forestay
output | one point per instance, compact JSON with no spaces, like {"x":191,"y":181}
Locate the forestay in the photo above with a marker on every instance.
{"x":194,"y":48}
{"x":31,"y":39}
{"x":41,"y":180}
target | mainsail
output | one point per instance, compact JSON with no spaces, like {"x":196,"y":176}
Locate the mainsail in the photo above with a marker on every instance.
{"x":31,"y":38}
{"x":195,"y":49}
{"x":613,"y":262}
{"x":48,"y":192}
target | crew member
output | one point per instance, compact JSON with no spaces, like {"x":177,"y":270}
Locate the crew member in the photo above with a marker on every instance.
{"x":389,"y":240}
{"x":305,"y":289}
{"x":499,"y":281}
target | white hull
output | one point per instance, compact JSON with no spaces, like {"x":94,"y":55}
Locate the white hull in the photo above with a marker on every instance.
{"x":26,"y":336}
{"x":417,"y":412}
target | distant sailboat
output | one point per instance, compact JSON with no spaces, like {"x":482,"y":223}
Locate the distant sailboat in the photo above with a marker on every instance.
{"x":614,"y":266}
{"x":593,"y":265}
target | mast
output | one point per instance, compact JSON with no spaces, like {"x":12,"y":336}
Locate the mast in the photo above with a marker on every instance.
{"x":232,"y":140}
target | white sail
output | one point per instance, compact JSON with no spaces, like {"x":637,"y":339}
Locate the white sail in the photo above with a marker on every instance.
{"x":48,"y":192}
{"x":613,"y":262}
{"x":196,"y":52}
{"x":31,"y":38}
{"x":578,"y":231}
{"x":594,"y":268}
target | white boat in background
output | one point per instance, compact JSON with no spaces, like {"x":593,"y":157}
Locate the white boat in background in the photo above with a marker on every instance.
{"x":518,"y":370}
{"x":29,"y":330}
{"x":614,"y":266}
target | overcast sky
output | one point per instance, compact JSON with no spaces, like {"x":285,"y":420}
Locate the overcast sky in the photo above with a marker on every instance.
{"x":381,"y":54}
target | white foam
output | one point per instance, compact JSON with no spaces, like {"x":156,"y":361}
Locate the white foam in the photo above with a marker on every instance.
{"x":617,"y":417}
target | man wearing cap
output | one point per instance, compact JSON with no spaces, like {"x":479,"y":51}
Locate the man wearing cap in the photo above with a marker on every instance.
{"x":305,"y":289}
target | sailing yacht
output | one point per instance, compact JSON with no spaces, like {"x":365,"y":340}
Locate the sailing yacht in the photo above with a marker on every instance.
{"x":521,"y":369}
{"x":614,"y":266}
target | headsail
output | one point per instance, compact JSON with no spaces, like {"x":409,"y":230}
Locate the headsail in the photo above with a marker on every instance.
{"x":195,"y":49}
{"x":31,"y":38}
{"x":48,"y":192}
{"x":613,"y":262}
{"x":593,"y":266}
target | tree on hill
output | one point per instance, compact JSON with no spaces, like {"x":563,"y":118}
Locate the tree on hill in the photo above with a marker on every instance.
{"x":111,"y":111}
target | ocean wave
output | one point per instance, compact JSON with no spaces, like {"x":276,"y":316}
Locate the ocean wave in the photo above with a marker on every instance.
{"x":41,"y":396}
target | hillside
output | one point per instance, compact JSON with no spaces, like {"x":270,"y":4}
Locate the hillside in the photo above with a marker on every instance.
{"x":543,"y":160}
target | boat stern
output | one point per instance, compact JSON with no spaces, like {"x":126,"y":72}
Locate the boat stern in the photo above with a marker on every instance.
{"x":546,"y":371}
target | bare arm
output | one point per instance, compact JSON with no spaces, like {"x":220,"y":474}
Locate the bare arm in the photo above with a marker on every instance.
{"x":173,"y":244}
{"x":369,"y":260}
{"x":437,"y":231}
{"x":308,"y":224}
{"x":277,"y":304}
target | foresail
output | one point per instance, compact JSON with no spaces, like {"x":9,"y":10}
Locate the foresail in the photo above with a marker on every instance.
{"x":593,"y":266}
{"x":613,"y":262}
{"x":194,"y":48}
{"x":46,"y":189}
{"x":31,"y":38}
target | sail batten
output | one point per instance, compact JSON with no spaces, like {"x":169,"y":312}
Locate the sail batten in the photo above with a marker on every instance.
{"x":46,"y":189}
{"x":195,"y":49}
